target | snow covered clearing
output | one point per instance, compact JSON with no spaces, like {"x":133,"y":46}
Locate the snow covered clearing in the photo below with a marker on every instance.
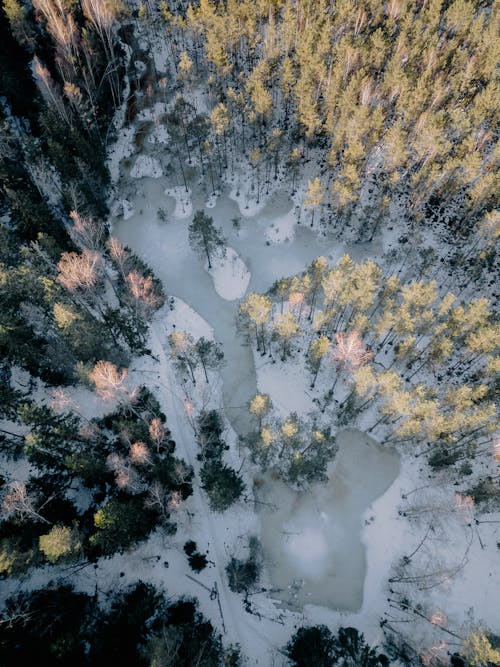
{"x":355,"y":528}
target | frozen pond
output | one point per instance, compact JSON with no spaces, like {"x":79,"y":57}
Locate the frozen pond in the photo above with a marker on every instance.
{"x":164,"y":246}
{"x":312,"y":540}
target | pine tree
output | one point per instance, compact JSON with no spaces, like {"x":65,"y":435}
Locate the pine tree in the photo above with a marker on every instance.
{"x":314,"y":196}
{"x":204,"y":236}
{"x":209,"y":353}
{"x":260,"y":405}
{"x":257,"y":308}
{"x":318,"y":349}
{"x":184,"y":351}
{"x":287,"y":328}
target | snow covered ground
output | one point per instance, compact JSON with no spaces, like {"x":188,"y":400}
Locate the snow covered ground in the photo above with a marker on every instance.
{"x":344,"y":539}
{"x":329,"y":552}
{"x":230,"y":275}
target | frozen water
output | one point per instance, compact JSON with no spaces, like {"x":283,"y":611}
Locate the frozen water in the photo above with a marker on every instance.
{"x":312,"y":539}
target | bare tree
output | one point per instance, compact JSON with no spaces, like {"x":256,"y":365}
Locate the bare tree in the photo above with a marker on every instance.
{"x":18,"y":503}
{"x":119,"y":255}
{"x":108,"y":380}
{"x":86,"y":232}
{"x":80,"y":272}
{"x":156,"y":432}
{"x":350,"y":352}
{"x":139,"y":453}
{"x":144,"y":293}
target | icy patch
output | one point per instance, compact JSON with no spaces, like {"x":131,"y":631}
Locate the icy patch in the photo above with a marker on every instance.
{"x":308,"y":551}
{"x":312,"y":539}
{"x":183,"y":203}
{"x":230,"y":275}
{"x":146,"y":166}
{"x":282,"y":229}
{"x":287,"y":384}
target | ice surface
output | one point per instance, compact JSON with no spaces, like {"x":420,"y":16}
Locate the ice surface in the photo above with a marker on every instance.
{"x":312,"y":539}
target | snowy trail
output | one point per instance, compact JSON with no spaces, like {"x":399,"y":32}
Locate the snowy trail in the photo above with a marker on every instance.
{"x":236,"y":622}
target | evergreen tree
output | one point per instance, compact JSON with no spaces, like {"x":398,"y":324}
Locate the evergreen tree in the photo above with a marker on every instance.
{"x":204,"y":237}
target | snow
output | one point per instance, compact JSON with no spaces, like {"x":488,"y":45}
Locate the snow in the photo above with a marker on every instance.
{"x":123,"y":148}
{"x":128,"y":209}
{"x":282,"y":229}
{"x":145,"y":165}
{"x":248,"y":206}
{"x":230,"y":275}
{"x":286,"y":384}
{"x":329,"y":551}
{"x":311,"y":538}
{"x":183,"y":318}
{"x":183,"y":203}
{"x":159,"y":135}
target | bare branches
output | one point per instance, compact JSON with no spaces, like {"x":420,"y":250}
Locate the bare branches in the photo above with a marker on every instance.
{"x":19,"y":504}
{"x":350,"y":351}
{"x":86,"y":232}
{"x":144,"y":292}
{"x":108,"y":380}
{"x":80,"y":271}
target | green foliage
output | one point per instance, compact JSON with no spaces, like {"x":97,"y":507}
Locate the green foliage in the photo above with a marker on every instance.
{"x":61,"y":543}
{"x":15,"y":559}
{"x":312,"y":647}
{"x":120,"y":523}
{"x":57,"y":626}
{"x":318,"y":647}
{"x":223,"y":484}
{"x":479,"y":650}
{"x":49,"y":627}
{"x":210,"y":429}
{"x":204,"y":237}
{"x":243,"y":574}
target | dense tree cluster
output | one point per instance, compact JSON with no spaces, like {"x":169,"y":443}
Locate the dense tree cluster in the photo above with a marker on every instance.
{"x":221,"y":482}
{"x":397,"y":99}
{"x":59,"y":626}
{"x":362,"y":110}
{"x":426,"y":360}
{"x":124,"y":460}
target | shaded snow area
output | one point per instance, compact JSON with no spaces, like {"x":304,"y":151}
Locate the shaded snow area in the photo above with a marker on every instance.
{"x":247,"y":204}
{"x":121,"y":149}
{"x":312,"y":539}
{"x":230,"y":275}
{"x":124,"y":208}
{"x":145,"y":165}
{"x":183,"y":318}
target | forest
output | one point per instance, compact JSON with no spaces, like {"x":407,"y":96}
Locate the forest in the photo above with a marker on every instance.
{"x":249,"y":333}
